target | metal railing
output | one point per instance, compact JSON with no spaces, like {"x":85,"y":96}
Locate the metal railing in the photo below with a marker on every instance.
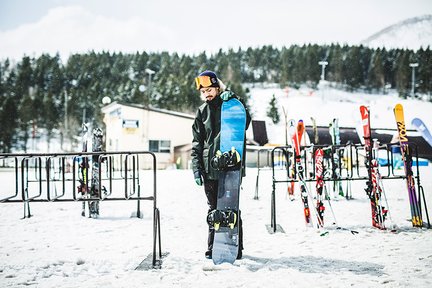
{"x":36,"y":174}
{"x":342,"y":162}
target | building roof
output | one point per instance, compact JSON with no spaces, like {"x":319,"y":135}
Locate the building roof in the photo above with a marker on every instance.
{"x":112,"y":106}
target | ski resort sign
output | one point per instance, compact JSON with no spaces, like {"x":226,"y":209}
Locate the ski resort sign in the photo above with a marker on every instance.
{"x":130,"y":125}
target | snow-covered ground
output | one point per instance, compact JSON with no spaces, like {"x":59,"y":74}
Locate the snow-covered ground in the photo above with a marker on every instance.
{"x":59,"y":248}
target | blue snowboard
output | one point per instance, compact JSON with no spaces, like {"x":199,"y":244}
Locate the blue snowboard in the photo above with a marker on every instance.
{"x":424,"y":131}
{"x":233,"y":124}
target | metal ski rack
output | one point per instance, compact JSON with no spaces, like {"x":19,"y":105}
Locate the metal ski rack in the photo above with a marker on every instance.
{"x":348,"y":169}
{"x":36,"y":174}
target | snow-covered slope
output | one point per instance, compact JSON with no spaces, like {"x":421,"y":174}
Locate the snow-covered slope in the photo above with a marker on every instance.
{"x":324,"y":105}
{"x":412,"y":33}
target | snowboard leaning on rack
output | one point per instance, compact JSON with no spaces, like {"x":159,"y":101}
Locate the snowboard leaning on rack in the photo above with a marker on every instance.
{"x":226,"y":239}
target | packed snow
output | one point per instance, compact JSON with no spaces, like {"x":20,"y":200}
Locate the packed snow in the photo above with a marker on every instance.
{"x":59,"y":248}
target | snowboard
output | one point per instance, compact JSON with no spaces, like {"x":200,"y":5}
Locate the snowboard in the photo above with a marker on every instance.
{"x":232,"y":134}
{"x":97,"y":143}
{"x":424,"y":131}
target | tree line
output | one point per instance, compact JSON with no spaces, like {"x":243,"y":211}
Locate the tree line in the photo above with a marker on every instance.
{"x":48,"y":95}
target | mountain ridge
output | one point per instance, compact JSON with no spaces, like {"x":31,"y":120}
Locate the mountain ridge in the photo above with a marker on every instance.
{"x":412,"y":33}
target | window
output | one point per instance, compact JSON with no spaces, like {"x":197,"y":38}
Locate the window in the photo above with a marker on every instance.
{"x":160,"y":146}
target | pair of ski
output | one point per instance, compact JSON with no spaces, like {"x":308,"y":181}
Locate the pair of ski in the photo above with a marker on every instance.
{"x":296,"y":134}
{"x":407,"y":158}
{"x":374,"y":188}
{"x":336,"y":157}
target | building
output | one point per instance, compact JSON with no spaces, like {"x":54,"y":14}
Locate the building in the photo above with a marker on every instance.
{"x":133,"y":127}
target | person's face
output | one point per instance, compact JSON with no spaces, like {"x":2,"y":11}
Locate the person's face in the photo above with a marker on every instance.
{"x":209,"y":93}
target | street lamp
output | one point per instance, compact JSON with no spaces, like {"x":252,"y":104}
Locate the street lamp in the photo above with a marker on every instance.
{"x":150,"y":73}
{"x":322,"y":85}
{"x":413,"y":66}
{"x":323,"y":65}
{"x":106,"y":100}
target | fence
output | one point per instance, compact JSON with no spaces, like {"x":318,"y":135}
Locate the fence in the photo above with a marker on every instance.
{"x":38,"y":175}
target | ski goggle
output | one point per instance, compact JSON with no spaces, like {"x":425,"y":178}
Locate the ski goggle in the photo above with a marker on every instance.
{"x":205,"y":81}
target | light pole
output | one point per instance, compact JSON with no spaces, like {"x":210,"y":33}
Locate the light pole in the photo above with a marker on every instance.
{"x":413,"y":66}
{"x":323,"y":65}
{"x":322,"y":83}
{"x":150,"y":73}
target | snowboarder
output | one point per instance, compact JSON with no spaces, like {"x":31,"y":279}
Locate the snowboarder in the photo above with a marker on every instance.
{"x":206,"y":142}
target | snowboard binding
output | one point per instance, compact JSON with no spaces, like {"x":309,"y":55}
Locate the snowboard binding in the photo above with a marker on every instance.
{"x":219,"y":218}
{"x":223,"y":161}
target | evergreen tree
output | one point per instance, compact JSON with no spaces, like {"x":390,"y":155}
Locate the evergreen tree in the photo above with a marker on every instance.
{"x":375,"y":78}
{"x":272,"y":111}
{"x":8,"y":107}
{"x":402,"y":76}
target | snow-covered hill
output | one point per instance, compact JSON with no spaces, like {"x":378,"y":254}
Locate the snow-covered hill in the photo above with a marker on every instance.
{"x":412,"y":33}
{"x":329,"y":103}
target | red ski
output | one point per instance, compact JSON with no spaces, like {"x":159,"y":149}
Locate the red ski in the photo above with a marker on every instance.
{"x":373,"y":189}
{"x":300,"y":172}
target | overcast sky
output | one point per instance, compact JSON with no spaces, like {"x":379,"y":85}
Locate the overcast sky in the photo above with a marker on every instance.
{"x":185,"y":26}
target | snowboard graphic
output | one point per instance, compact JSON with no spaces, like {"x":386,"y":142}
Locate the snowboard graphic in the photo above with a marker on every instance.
{"x":226,"y":240}
{"x":424,"y":131}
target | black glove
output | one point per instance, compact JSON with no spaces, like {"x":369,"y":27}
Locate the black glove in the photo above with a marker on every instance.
{"x":198,"y":178}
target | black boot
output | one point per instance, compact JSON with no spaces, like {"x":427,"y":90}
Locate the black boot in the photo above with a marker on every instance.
{"x":208,"y":254}
{"x":239,"y":254}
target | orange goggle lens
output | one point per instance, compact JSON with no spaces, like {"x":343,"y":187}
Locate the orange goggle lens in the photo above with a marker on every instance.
{"x":203,"y":81}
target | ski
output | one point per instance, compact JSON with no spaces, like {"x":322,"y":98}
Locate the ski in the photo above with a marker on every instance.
{"x":300,"y":172}
{"x":406,"y":151}
{"x":335,"y":136}
{"x":291,"y":172}
{"x":319,"y":174}
{"x":373,"y":188}
{"x":84,"y":169}
{"x":315,"y":130}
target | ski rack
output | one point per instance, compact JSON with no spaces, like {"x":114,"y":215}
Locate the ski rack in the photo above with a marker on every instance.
{"x":349,"y":162}
{"x":46,"y":170}
{"x":260,"y":166}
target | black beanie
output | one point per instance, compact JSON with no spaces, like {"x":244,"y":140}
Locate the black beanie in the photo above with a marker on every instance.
{"x":213,"y":77}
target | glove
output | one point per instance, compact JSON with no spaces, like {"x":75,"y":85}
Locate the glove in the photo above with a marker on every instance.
{"x":227,"y":95}
{"x":198,"y":178}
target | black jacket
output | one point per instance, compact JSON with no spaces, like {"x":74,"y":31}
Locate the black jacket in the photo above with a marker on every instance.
{"x":206,"y":137}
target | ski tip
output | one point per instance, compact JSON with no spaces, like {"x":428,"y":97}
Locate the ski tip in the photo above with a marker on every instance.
{"x":398,"y":107}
